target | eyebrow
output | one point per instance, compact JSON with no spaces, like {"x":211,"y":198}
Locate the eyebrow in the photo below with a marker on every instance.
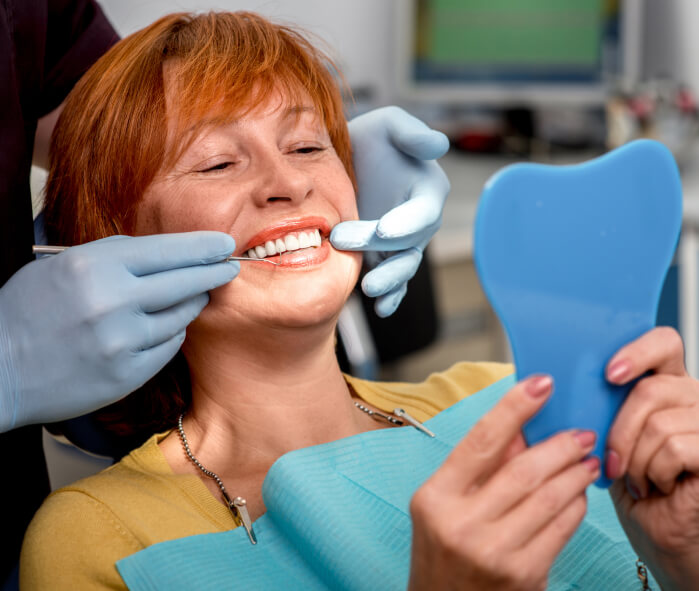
{"x":295,"y":110}
{"x":298,"y":110}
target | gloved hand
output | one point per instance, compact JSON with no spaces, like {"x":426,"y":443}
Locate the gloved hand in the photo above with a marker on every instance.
{"x":401,"y":194}
{"x":83,"y":328}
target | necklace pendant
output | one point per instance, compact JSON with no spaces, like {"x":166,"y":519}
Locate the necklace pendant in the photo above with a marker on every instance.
{"x":238,"y":506}
{"x":240,"y":509}
{"x":399,"y":412}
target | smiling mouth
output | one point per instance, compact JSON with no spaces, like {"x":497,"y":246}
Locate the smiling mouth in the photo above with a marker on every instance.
{"x":290,"y":242}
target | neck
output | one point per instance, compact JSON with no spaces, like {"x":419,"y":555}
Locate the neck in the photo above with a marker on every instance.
{"x":263,"y":399}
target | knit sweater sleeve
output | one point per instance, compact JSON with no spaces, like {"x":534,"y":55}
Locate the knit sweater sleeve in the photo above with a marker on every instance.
{"x":73,"y":543}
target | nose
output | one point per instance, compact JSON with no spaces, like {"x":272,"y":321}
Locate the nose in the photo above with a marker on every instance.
{"x":281,"y":178}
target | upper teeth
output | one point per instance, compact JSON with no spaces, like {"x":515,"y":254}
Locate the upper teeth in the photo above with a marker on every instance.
{"x":289,"y":242}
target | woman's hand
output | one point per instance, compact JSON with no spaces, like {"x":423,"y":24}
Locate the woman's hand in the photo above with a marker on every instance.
{"x":496,"y":514}
{"x":654,"y":441}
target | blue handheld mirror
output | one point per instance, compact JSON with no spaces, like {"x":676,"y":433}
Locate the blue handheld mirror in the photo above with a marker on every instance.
{"x":573,"y":259}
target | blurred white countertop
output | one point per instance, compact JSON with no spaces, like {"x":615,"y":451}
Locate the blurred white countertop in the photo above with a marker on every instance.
{"x":468,"y":174}
{"x":690,"y":191}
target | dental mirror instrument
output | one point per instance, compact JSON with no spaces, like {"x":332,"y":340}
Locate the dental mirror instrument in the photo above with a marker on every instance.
{"x":46,"y":249}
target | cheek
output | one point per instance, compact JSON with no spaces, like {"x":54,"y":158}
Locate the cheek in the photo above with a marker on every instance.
{"x":355,"y":267}
{"x":147,"y":219}
{"x":166,"y":210}
{"x":341,"y":193}
{"x":351,"y":212}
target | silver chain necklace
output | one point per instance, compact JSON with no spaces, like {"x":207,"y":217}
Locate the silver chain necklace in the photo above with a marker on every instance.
{"x":376,"y":414}
{"x":238,"y":505}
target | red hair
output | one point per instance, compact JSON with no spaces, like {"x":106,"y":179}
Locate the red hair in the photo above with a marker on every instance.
{"x":109,"y":141}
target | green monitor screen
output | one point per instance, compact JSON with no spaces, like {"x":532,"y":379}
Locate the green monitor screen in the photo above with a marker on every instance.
{"x":512,"y":43}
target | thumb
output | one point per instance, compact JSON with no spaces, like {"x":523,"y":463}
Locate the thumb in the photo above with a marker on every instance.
{"x":412,"y":137}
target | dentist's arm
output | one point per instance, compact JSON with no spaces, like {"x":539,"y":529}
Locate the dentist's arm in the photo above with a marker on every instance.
{"x":401,"y":196}
{"x":82,"y":329}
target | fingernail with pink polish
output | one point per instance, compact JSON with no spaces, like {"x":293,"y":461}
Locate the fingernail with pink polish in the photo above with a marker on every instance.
{"x":585,"y":438}
{"x":612,"y":463}
{"x":592,"y":464}
{"x":618,"y":371}
{"x":539,"y":386}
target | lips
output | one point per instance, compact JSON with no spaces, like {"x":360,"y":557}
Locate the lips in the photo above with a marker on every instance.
{"x":302,"y":242}
{"x":289,"y":243}
{"x":281,"y":229}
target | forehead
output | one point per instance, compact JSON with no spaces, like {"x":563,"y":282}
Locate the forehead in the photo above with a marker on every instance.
{"x":187,"y":116}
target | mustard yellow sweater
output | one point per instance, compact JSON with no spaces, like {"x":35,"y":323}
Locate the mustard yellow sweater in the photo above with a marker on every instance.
{"x":82,"y":530}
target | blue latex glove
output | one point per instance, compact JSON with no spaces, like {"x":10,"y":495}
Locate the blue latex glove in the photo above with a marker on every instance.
{"x":82,"y":329}
{"x":401,"y":196}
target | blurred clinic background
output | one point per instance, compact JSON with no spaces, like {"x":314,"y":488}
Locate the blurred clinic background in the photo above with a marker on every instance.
{"x":555,"y":81}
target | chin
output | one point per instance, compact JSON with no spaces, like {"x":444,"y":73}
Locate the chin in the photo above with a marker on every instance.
{"x":307,"y":310}
{"x":295,"y":300}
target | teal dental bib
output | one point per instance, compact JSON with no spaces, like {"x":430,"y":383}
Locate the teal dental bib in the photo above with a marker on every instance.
{"x":338,"y":519}
{"x":572,"y":259}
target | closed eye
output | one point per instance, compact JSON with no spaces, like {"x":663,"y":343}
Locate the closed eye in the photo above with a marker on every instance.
{"x":220,"y":166}
{"x":309,"y":149}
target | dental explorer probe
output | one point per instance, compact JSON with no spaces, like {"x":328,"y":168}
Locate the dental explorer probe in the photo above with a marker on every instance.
{"x":45,"y":249}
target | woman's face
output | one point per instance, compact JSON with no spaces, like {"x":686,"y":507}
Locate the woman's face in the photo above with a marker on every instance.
{"x":270,"y":177}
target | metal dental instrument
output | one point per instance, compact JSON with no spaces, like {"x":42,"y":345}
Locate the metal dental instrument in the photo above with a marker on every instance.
{"x":44,"y":249}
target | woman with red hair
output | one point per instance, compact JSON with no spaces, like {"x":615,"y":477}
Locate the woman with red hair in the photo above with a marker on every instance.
{"x":228,"y":122}
{"x":74,"y":356}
